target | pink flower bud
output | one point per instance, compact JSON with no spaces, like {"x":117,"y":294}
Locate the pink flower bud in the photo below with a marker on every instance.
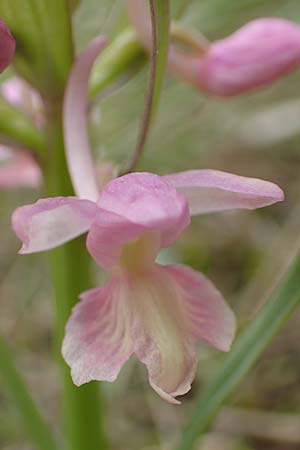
{"x":257,"y":54}
{"x":7,"y":46}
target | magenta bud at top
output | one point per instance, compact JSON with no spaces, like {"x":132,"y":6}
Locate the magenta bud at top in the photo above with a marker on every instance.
{"x":255,"y":55}
{"x":7,"y":46}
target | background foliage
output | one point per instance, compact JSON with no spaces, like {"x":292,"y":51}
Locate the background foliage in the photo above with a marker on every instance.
{"x":253,"y":135}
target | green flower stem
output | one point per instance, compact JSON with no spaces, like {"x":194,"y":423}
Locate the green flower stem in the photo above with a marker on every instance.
{"x":247,"y":349}
{"x":70,"y":272}
{"x":19,"y":130}
{"x":32,"y":420}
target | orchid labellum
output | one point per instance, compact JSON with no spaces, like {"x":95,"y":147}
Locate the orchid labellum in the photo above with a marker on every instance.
{"x":255,"y":55}
{"x":156,"y":312}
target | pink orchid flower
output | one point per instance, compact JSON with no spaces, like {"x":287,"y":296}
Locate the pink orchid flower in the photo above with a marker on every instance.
{"x":7,"y":46}
{"x":156,"y":312}
{"x":260,"y":52}
{"x":18,"y":168}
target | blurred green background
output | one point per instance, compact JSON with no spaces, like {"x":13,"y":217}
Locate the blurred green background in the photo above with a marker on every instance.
{"x":242,"y":252}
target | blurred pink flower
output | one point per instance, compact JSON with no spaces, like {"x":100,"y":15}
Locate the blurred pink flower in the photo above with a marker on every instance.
{"x":257,"y":54}
{"x":260,"y":52}
{"x":20,"y":94}
{"x":18,"y":168}
{"x":156,"y":312}
{"x":7,"y":46}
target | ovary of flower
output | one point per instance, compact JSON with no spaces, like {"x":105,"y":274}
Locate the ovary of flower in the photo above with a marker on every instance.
{"x":156,"y":312}
{"x":255,"y":55}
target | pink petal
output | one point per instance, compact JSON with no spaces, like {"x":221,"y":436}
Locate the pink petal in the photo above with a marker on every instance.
{"x":130,"y":206}
{"x":75,"y":123}
{"x":161,"y":334}
{"x":210,"y":318}
{"x":7,"y":46}
{"x":98,"y":341}
{"x":257,"y":54}
{"x":18,"y":169}
{"x":213,"y":190}
{"x":51,"y":222}
{"x":177,"y":306}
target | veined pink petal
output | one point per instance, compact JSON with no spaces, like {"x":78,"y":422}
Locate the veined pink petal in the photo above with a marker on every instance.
{"x":78,"y":153}
{"x":257,"y":54}
{"x":18,"y":169}
{"x":177,"y":306}
{"x":161,"y":334}
{"x":133,"y":205}
{"x":213,"y":190}
{"x":210,"y":318}
{"x":98,"y":340}
{"x":51,"y":222}
{"x":7,"y":46}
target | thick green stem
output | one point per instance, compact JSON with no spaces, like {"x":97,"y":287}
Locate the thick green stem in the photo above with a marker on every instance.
{"x":70,"y":272}
{"x":33,"y":422}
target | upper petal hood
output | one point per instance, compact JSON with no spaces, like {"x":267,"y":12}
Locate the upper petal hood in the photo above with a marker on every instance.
{"x":51,"y":222}
{"x":213,"y":190}
{"x":130,"y":206}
